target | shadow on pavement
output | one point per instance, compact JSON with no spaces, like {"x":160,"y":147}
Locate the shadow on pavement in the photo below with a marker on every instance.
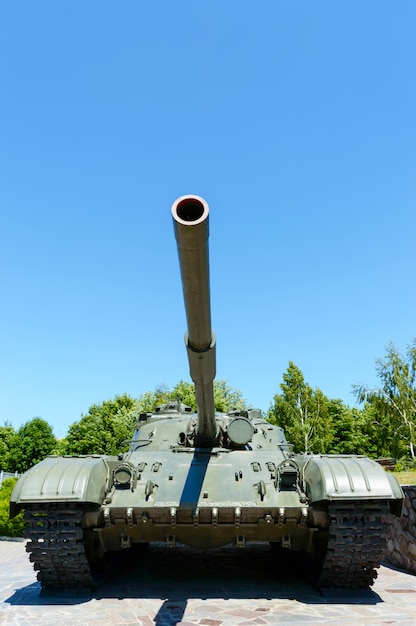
{"x":178,"y":574}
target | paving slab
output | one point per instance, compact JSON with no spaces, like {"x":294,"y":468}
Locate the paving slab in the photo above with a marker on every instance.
{"x":189,"y":587}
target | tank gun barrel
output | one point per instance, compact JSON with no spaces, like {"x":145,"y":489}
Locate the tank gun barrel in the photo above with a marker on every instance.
{"x":190,"y":219}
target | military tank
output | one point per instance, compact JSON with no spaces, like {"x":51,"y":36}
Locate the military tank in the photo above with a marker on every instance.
{"x":205,"y":479}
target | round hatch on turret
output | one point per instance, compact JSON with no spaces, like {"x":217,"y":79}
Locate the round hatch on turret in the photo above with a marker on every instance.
{"x":240,"y":430}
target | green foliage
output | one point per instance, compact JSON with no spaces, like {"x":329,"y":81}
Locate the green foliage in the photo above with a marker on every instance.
{"x":9,"y":527}
{"x":107,"y":427}
{"x":393,"y":404}
{"x":185,"y":392}
{"x":31,"y":444}
{"x":147,"y":402}
{"x":405,"y":464}
{"x":60,"y":447}
{"x":382,"y":440}
{"x":303,"y":413}
{"x":104,"y":429}
{"x":410,"y":464}
{"x":7,"y":433}
{"x":225,"y":397}
{"x":314,"y":423}
{"x":349,"y":424}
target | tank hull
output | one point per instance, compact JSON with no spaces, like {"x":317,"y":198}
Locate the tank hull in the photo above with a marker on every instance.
{"x":207,"y":498}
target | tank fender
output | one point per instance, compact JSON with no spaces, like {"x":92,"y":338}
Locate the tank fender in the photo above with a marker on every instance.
{"x":339,"y":477}
{"x":63,"y":479}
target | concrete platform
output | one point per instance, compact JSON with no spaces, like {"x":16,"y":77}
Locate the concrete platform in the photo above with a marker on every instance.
{"x":185,"y":587}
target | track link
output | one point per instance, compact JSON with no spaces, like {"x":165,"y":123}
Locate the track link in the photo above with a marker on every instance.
{"x":56,"y":545}
{"x":356,"y":546}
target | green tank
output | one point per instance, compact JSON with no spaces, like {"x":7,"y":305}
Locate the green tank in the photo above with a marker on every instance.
{"x":205,"y":479}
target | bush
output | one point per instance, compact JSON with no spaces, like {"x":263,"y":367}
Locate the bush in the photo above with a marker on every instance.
{"x":405,"y":464}
{"x":9,"y":527}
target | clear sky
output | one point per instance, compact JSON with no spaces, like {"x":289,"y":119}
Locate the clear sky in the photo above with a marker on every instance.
{"x":295,"y":120}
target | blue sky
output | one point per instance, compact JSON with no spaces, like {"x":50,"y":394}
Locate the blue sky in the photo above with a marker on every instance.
{"x":294,"y":120}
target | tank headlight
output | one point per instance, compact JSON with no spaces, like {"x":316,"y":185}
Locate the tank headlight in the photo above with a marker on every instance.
{"x":240,"y":430}
{"x":122,"y":475}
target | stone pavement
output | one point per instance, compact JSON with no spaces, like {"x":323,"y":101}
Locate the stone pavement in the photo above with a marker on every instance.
{"x":187,"y":587}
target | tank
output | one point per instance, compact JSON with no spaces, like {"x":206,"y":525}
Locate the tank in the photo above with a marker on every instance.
{"x":205,"y":479}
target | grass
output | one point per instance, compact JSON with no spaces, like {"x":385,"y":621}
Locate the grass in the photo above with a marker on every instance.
{"x":406,"y":478}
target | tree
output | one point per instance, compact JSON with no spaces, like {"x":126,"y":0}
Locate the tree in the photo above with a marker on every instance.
{"x":303,"y":413}
{"x":104,"y":429}
{"x":351,"y":434}
{"x":147,"y":402}
{"x":9,"y":527}
{"x":108,"y":427}
{"x":381,"y":441}
{"x":7,"y":433}
{"x":225,"y":396}
{"x":393,"y":404}
{"x":31,"y":444}
{"x":185,"y":392}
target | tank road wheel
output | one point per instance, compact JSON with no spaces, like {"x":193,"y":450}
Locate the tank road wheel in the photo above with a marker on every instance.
{"x":56,"y":545}
{"x":357,"y":541}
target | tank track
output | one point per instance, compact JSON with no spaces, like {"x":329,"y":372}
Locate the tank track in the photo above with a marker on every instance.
{"x":56,"y":545}
{"x":356,"y":546}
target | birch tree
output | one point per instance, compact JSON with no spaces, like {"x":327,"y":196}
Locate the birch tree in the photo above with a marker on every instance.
{"x":394,"y":401}
{"x":303,"y":413}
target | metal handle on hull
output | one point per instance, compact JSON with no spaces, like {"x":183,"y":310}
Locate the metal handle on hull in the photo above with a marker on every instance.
{"x":190,"y":218}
